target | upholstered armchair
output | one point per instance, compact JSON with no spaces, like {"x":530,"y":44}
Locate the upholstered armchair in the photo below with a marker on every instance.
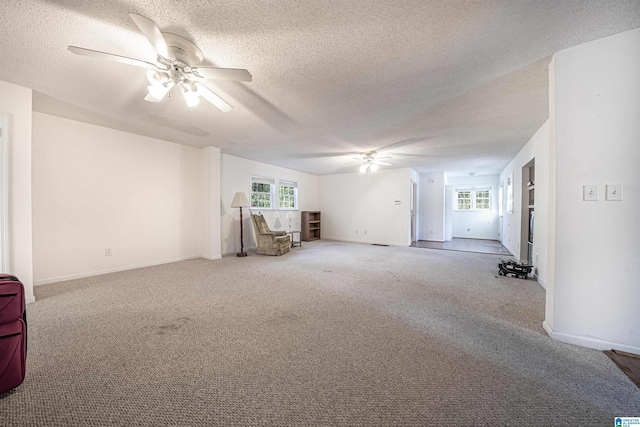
{"x":270,"y":242}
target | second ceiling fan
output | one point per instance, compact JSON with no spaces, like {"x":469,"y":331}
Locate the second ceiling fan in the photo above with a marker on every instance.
{"x":178,"y":65}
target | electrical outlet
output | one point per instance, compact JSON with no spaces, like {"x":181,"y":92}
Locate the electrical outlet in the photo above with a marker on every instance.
{"x":430,"y":231}
{"x":590,"y":193}
{"x":107,"y":252}
{"x":365,"y":231}
{"x":614,"y":192}
{"x":356,"y":231}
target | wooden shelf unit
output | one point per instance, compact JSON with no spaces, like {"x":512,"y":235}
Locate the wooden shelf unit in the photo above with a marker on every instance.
{"x":311,"y":225}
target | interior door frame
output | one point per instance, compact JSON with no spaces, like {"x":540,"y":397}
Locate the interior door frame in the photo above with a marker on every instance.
{"x":412,"y":211}
{"x":4,"y":192}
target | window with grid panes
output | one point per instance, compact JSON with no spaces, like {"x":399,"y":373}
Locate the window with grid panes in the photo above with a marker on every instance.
{"x":262,"y":192}
{"x":464,"y":200}
{"x":287,"y":195}
{"x":482,"y":200}
{"x":473,"y":199}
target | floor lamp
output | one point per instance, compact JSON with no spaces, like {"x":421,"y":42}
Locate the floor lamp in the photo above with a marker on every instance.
{"x":239,"y":201}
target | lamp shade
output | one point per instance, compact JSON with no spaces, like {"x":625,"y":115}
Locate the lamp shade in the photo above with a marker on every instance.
{"x":289,"y":215}
{"x":240,"y":200}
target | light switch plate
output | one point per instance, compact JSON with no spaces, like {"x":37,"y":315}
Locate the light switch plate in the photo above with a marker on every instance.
{"x":614,"y":192}
{"x":590,"y":193}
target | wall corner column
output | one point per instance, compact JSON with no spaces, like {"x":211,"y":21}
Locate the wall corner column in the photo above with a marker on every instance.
{"x":211,"y":232}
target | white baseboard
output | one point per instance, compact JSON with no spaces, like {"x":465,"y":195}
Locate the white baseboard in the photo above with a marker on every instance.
{"x":541,"y":282}
{"x":110,"y":270}
{"x":547,"y":328}
{"x":589,"y":342}
{"x":30,"y":299}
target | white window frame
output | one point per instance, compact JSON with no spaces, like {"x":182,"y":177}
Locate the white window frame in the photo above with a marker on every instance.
{"x":288,"y":183}
{"x":500,"y":201}
{"x":472,"y":193}
{"x":457,"y":205}
{"x":257,"y":179}
{"x":274,"y":193}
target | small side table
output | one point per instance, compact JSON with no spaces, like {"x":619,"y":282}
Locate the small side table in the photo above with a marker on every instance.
{"x":293,"y":241}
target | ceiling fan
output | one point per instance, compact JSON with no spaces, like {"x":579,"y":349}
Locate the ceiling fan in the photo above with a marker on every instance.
{"x":370,"y":161}
{"x":178,"y":66}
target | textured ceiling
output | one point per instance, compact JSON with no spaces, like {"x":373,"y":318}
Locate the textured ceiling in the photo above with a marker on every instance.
{"x":439,"y":86}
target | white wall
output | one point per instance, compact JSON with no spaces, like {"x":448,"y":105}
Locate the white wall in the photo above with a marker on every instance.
{"x":15,"y":101}
{"x":537,"y":148}
{"x":356,"y":211}
{"x":236,"y":176}
{"x":96,"y":188}
{"x":432,"y":207}
{"x":475,"y":224}
{"x":549,"y":308}
{"x":210,"y":218}
{"x":597,"y":105}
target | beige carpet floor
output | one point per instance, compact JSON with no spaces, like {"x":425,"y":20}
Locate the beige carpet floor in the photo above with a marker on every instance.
{"x":331,"y":334}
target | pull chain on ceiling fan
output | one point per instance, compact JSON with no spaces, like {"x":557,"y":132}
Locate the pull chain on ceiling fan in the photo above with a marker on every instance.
{"x":178,"y":66}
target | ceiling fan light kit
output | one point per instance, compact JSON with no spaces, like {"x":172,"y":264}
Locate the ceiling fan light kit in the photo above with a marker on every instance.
{"x":371,"y":163}
{"x":178,"y":65}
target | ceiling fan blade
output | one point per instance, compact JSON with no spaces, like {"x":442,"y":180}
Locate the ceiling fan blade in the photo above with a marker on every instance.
{"x":214,"y":73}
{"x":382,"y":157}
{"x":111,"y":57}
{"x":375,"y":162}
{"x":153,"y":34}
{"x":207,"y":94}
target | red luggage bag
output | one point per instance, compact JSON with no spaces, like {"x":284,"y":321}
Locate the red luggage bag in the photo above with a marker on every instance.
{"x":13,"y":333}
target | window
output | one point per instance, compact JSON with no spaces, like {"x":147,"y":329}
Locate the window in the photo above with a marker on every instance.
{"x":473,"y":199}
{"x":265,"y":190}
{"x":262,"y":192}
{"x":287,"y":195}
{"x":482,"y":200}
{"x":464,"y":199}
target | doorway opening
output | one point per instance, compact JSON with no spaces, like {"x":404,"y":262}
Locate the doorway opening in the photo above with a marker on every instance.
{"x":414,"y":204}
